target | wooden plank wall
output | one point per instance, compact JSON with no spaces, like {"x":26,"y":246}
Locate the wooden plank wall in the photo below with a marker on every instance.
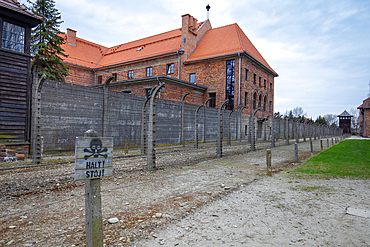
{"x":14,"y":96}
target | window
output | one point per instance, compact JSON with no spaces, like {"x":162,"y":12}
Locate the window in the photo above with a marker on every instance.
{"x":115,"y":77}
{"x":246,"y":99}
{"x":270,"y":86}
{"x":260,"y":81}
{"x":149,"y":71}
{"x":147,"y":92}
{"x":212,"y":102}
{"x":246,"y":74}
{"x":264,"y":83}
{"x":230,"y":81}
{"x":254,"y":101}
{"x":13,"y":37}
{"x":246,"y":130}
{"x":254,"y":79}
{"x":170,"y":68}
{"x":264,"y":103}
{"x":192,"y":78}
{"x":270,"y":107}
{"x":128,"y":91}
{"x":100,"y":79}
{"x":260,"y":101}
{"x":130,"y":74}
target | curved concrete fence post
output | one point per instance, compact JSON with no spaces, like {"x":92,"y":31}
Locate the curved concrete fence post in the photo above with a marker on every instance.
{"x":143,"y":125}
{"x":265,"y":128}
{"x":204,"y":121}
{"x":182,"y":134}
{"x":36,"y":115}
{"x":287,"y":131}
{"x":297,"y":130}
{"x":105,"y":106}
{"x":219,"y":137}
{"x":241,"y":108}
{"x":151,"y":129}
{"x":250,"y":130}
{"x":229,"y":129}
{"x":196,"y":126}
{"x":253,"y":138}
{"x":272,"y":132}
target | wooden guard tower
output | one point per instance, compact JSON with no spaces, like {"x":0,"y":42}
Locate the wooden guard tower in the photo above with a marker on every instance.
{"x":345,"y":122}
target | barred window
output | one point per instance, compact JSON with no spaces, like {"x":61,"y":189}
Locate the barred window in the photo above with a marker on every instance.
{"x":192,"y":78}
{"x":170,"y":68}
{"x":115,"y":77}
{"x":230,"y":81}
{"x":149,"y":71}
{"x":131,"y":74}
{"x":212,"y":102}
{"x":246,"y":99}
{"x":13,"y":37}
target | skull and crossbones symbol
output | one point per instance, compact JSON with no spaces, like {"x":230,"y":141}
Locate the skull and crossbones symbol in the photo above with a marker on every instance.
{"x":96,"y":149}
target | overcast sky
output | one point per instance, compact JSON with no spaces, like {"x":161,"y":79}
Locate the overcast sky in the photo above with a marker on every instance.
{"x":319,"y":48}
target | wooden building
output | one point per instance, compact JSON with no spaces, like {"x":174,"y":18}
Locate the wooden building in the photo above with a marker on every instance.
{"x":345,"y":122}
{"x":15,"y":79}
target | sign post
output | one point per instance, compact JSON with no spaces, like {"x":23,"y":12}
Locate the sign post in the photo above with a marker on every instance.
{"x":94,"y":160}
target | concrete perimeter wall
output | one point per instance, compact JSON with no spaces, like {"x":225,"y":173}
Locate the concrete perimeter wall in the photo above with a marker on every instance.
{"x":68,"y":110}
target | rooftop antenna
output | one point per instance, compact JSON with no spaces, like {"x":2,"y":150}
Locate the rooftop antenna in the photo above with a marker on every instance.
{"x":208,"y":7}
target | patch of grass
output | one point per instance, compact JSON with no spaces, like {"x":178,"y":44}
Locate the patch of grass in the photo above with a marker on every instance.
{"x":313,"y":188}
{"x":348,"y":159}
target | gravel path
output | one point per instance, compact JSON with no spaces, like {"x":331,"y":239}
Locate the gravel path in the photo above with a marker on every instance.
{"x":193,"y":200}
{"x":277,"y":211}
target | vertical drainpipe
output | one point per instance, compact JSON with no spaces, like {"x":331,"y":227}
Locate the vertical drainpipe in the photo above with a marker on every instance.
{"x":179,"y":53}
{"x":363,"y":121}
{"x":94,"y":76}
{"x":240,"y":61}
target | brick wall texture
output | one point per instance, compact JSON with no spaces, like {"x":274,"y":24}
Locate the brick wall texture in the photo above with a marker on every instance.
{"x":367,"y":123}
{"x":254,"y":85}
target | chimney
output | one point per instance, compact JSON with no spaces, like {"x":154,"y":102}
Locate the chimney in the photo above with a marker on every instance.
{"x":195,"y":24}
{"x":189,"y":23}
{"x":185,"y":22}
{"x":71,"y":37}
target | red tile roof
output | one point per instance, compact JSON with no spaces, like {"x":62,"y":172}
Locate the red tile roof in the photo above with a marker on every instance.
{"x":365,"y":104}
{"x":224,"y":41}
{"x":85,"y":53}
{"x":144,"y":48}
{"x":91,"y":55}
{"x":216,"y":42}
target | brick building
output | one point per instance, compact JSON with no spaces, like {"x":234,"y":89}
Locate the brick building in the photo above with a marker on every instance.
{"x":365,"y":118}
{"x":217,"y":63}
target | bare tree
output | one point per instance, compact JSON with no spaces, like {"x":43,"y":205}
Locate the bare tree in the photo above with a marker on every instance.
{"x":331,"y":119}
{"x":355,"y":119}
{"x":298,"y":112}
{"x":288,"y":114}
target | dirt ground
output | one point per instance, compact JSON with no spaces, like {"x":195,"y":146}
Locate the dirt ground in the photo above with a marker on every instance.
{"x":192,"y":199}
